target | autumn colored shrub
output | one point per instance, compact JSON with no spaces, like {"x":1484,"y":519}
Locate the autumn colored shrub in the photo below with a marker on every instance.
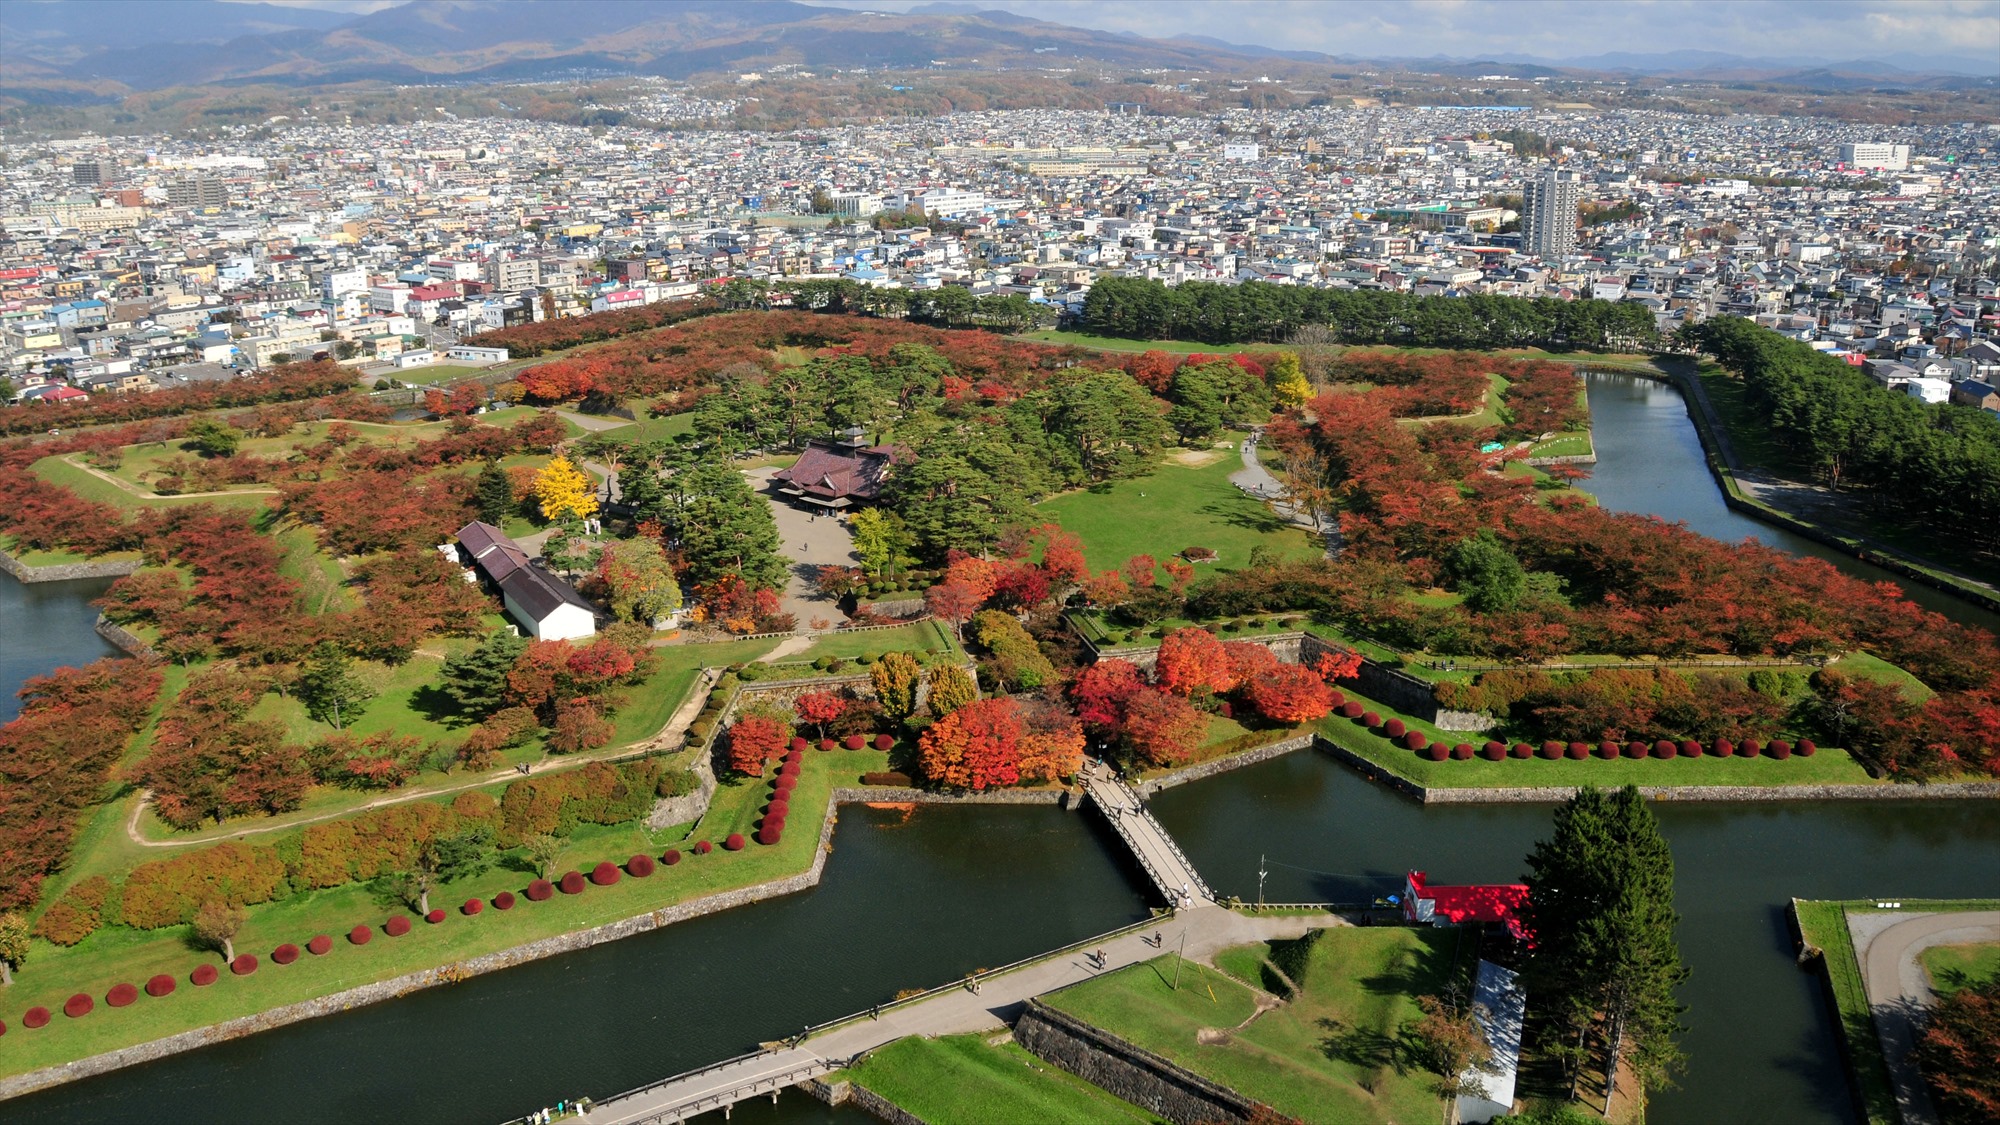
{"x":800,"y":743}
{"x":671,"y":856}
{"x":1394,"y":728}
{"x":121,"y":995}
{"x":244,"y":965}
{"x":77,"y":914}
{"x":435,"y":916}
{"x":888,"y":778}
{"x":1608,"y":750}
{"x":161,"y":984}
{"x":1336,"y":698}
{"x":285,"y":954}
{"x":79,"y":1006}
{"x":1663,"y":749}
{"x":771,"y":833}
{"x":1805,"y":748}
{"x":1493,"y":750}
{"x":1552,"y":750}
{"x":828,"y":744}
{"x":540,"y":890}
{"x":1349,"y":710}
{"x":1578,"y":751}
{"x":1435,"y":751}
{"x":320,"y":945}
{"x":1635,"y":749}
{"x":735,"y":842}
{"x":1416,"y":740}
{"x":1779,"y":750}
{"x":604,"y":874}
{"x":1749,"y":748}
{"x":1370,"y":719}
{"x":397,"y":926}
{"x":777,"y":808}
{"x":884,"y":742}
{"x":571,"y":883}
{"x":35,"y":1017}
{"x":1520,"y":750}
{"x":1721,"y":748}
{"x":504,"y":900}
{"x":703,"y":847}
{"x":854,"y":741}
{"x":639,"y":866}
{"x":471,"y":907}
{"x":1461,"y":752}
{"x":359,"y":935}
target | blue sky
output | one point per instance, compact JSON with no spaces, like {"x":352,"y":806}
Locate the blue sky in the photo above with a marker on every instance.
{"x":1904,"y":30}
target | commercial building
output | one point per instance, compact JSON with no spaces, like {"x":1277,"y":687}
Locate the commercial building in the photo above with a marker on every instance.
{"x":197,"y":191}
{"x":1548,"y":214}
{"x":1893,"y":158}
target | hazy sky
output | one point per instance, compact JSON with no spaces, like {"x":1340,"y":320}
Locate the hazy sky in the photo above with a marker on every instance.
{"x":1834,"y":29}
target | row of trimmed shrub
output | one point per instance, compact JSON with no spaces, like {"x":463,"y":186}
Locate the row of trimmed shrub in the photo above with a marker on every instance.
{"x":851,"y":742}
{"x":573,"y":882}
{"x":771,"y":828}
{"x":1662,"y":750}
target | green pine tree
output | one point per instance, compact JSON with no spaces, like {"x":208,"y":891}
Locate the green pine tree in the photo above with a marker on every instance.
{"x":329,"y":688}
{"x":477,"y":680}
{"x":493,"y":493}
{"x":1605,"y":964}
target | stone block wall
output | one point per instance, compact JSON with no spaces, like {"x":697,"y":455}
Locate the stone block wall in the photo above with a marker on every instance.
{"x":66,"y":572}
{"x":1145,"y":1079}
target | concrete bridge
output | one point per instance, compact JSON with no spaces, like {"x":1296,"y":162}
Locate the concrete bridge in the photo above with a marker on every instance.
{"x":1162,"y":859}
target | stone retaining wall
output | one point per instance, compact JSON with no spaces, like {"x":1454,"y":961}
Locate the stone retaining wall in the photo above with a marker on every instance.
{"x":131,"y":643}
{"x":1132,"y":1073}
{"x":861,"y":1097}
{"x":1412,"y":695}
{"x":1572,"y":459}
{"x":66,"y":572}
{"x":1223,"y":764}
{"x":902,"y":796}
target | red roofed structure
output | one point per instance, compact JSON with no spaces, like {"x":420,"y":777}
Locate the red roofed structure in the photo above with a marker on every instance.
{"x":1459,"y":906}
{"x":832,"y":474}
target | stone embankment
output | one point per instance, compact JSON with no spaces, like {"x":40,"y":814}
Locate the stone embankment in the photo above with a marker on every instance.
{"x":1139,"y":1076}
{"x":67,"y":572}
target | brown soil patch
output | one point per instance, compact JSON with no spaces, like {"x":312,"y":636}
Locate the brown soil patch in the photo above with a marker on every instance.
{"x":1195,"y":458}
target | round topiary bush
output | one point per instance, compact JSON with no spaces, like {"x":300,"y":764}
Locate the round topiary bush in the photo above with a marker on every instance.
{"x":471,"y":907}
{"x":671,"y":856}
{"x":1551,"y":750}
{"x":770,"y":834}
{"x":639,"y":866}
{"x":791,"y":770}
{"x":244,"y":965}
{"x":799,"y":743}
{"x":359,"y":935}
{"x":1805,"y":748}
{"x":1722,"y":748}
{"x":1350,"y":710}
{"x":854,"y":741}
{"x":735,"y":842}
{"x":1394,"y":728}
{"x":1635,"y":749}
{"x":320,"y":945}
{"x":1520,"y":750}
{"x":1435,"y":751}
{"x":35,"y":1017}
{"x":779,"y":809}
{"x":160,"y":984}
{"x":1690,"y":749}
{"x":1461,"y":752}
{"x":1370,"y":719}
{"x":1415,"y":740}
{"x":571,"y":883}
{"x":1337,"y":696}
{"x":397,"y":926}
{"x":1779,"y":749}
{"x":784,"y":790}
{"x":435,"y":916}
{"x":883,"y":742}
{"x":794,"y":758}
{"x":121,"y":995}
{"x":285,"y":954}
{"x":828,"y":744}
{"x":504,"y":900}
{"x":1663,"y":749}
{"x":604,"y":874}
{"x":1578,"y":751}
{"x":78,"y":1006}
{"x":1493,"y":751}
{"x":1608,"y":750}
{"x":540,"y":890}
{"x":703,"y":847}
{"x":1749,"y":748}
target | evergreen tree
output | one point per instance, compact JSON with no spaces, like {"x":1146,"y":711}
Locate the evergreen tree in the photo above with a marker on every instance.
{"x":329,"y":688}
{"x":477,"y":680}
{"x":493,"y":494}
{"x":1604,"y":962}
{"x":1487,"y":573}
{"x":725,"y":528}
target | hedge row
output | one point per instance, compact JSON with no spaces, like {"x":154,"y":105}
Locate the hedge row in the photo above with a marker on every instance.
{"x":1662,"y":750}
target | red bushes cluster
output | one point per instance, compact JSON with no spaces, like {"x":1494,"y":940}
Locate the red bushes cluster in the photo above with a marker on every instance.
{"x":360,"y":935}
{"x":320,"y":945}
{"x":121,"y":995}
{"x":504,"y":900}
{"x":435,"y":916}
{"x":571,"y":883}
{"x":285,"y":954}
{"x":604,"y":874}
{"x":161,"y":984}
{"x":244,"y":965}
{"x":540,"y":890}
{"x":396,"y":926}
{"x":204,"y":975}
{"x":471,"y":907}
{"x":639,"y":866}
{"x":734,"y":843}
{"x":671,"y":856}
{"x":884,"y":742}
{"x":35,"y":1017}
{"x":703,"y":847}
{"x":78,"y":1006}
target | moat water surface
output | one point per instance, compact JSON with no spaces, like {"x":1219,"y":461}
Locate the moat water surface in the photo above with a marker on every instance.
{"x":915,"y":901}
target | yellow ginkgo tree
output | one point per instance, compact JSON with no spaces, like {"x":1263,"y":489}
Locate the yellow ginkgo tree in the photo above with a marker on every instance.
{"x":563,"y":491}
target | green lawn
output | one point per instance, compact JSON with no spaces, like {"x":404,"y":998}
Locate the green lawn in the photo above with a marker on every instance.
{"x":1952,"y":967}
{"x":1567,"y":445}
{"x":1824,"y":924}
{"x":1171,"y":509}
{"x":434,"y":374}
{"x":1329,"y":1056}
{"x":920,"y":637}
{"x":28,"y":557}
{"x":118,"y":954}
{"x":322,"y":583}
{"x":1828,"y":767}
{"x":960,"y":1080}
{"x":652,"y":429}
{"x":59,"y":470}
{"x":648,"y":707}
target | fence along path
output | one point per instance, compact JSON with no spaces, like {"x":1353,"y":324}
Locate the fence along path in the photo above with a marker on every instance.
{"x":1161,"y":858}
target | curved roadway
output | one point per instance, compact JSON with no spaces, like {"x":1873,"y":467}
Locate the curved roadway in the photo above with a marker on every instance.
{"x":1899,"y":990}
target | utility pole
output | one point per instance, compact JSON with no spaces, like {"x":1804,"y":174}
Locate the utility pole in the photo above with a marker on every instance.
{"x":1180,"y":958}
{"x":1261,"y":872}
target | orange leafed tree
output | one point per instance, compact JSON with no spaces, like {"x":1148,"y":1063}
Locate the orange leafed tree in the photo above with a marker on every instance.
{"x":755,"y":740}
{"x":1192,"y":661}
{"x":1333,"y":666}
{"x":1162,"y":728}
{"x":1288,"y":693}
{"x":820,"y":708}
{"x":1051,"y":743}
{"x":977,"y":746}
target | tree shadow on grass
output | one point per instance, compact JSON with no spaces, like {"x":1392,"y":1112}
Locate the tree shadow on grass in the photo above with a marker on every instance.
{"x":1365,"y":1047}
{"x":1251,"y":517}
{"x":437,"y":706}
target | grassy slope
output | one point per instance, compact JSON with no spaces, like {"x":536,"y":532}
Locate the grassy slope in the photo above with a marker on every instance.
{"x":1171,"y":509}
{"x":959,"y":1080}
{"x":119,"y":954}
{"x":1824,"y":924}
{"x":1365,"y":980}
{"x":1953,"y":967}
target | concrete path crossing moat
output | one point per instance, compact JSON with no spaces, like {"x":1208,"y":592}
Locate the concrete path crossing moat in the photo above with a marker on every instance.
{"x":1899,"y":990}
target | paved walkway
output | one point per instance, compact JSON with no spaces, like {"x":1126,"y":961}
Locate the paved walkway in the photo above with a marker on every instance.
{"x":1256,"y":480}
{"x":1200,"y":932}
{"x":1176,"y":879}
{"x":809,"y":541}
{"x":1899,"y":990}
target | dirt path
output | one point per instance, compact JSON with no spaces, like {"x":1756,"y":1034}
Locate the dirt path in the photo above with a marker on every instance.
{"x":142,"y":494}
{"x":1899,"y":990}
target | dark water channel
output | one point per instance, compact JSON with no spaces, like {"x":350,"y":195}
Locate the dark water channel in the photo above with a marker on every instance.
{"x":911,"y":902}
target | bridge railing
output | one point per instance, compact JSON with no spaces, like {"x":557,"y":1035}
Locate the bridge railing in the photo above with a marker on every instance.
{"x":970,"y":978}
{"x":694,"y":1107}
{"x":639,"y":1091}
{"x":1187,"y":865}
{"x":1166,"y":838}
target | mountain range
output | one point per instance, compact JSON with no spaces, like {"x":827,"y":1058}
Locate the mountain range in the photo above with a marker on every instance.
{"x":68,"y":46}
